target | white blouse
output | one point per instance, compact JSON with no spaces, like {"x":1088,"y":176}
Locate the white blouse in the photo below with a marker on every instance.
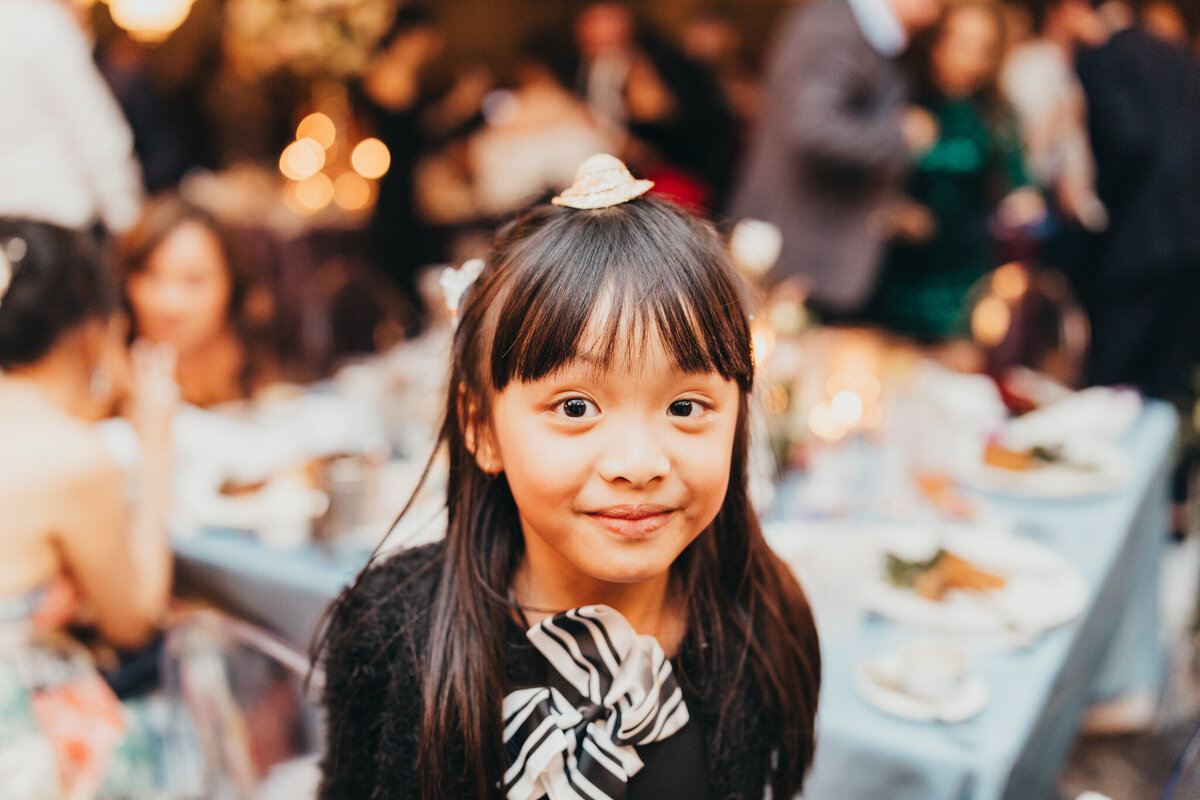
{"x":66,"y":151}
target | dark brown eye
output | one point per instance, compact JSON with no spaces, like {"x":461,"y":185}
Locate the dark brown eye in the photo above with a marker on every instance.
{"x":683,"y":408}
{"x":575,"y":407}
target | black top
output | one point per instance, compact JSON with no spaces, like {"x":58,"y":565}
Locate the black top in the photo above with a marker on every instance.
{"x":1143,"y":100}
{"x":373,"y":699}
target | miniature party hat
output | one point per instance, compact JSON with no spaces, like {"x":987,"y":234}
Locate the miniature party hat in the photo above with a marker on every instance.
{"x":602,"y":181}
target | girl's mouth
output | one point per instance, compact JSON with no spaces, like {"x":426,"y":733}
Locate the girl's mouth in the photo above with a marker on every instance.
{"x":634,"y":521}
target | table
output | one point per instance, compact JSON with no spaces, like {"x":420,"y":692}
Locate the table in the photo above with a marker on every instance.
{"x":1016,"y":746}
{"x":1013,"y":749}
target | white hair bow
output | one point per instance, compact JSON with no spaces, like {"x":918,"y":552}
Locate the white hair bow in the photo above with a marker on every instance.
{"x":455,"y":283}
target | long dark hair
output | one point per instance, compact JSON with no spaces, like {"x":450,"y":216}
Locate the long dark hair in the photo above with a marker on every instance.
{"x":652,"y":265}
{"x":59,"y":278}
{"x":920,"y":60}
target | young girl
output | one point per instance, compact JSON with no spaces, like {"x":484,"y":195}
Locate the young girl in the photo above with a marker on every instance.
{"x":603,"y":618}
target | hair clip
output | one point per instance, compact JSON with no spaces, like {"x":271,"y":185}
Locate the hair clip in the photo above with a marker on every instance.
{"x":10,"y":255}
{"x":455,"y":283}
{"x":602,"y":181}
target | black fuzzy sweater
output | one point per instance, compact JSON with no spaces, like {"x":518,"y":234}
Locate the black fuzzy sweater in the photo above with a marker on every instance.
{"x":374,"y":706}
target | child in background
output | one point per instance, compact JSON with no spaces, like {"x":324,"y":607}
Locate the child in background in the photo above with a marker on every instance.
{"x":604,"y":617}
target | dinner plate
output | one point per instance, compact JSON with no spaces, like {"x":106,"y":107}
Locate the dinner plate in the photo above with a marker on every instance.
{"x":1107,"y":473}
{"x":1042,"y":591}
{"x":960,"y":705}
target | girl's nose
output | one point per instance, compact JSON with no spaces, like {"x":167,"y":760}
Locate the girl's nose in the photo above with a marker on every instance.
{"x":635,"y":458}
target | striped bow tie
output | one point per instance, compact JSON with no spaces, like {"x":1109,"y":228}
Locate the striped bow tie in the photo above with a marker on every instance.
{"x":584,"y":747}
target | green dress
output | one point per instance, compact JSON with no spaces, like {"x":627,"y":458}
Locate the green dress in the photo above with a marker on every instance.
{"x":975,"y":162}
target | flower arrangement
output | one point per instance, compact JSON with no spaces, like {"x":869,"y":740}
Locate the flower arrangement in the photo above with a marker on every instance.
{"x":310,"y":39}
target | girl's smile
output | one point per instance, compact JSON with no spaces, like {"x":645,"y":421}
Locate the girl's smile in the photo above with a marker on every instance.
{"x":632,"y":521}
{"x":614,"y":470}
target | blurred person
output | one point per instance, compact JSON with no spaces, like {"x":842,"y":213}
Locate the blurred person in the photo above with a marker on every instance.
{"x":712,"y":38}
{"x":1039,"y":80}
{"x":66,"y":151}
{"x":158,"y":141}
{"x":680,"y":130}
{"x":72,"y":551}
{"x":396,"y":94}
{"x":943,"y":241}
{"x":1143,"y":280}
{"x":412,"y":119}
{"x":535,"y":136}
{"x":1165,"y":18}
{"x":186,"y":287}
{"x":830,"y":156}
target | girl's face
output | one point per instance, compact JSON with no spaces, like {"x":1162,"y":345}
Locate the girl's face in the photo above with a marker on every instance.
{"x":614,"y":471}
{"x":182,"y":295}
{"x":967,"y":51}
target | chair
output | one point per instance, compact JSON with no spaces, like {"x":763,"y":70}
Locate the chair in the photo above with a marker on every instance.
{"x":1184,"y":780}
{"x":250,"y":704}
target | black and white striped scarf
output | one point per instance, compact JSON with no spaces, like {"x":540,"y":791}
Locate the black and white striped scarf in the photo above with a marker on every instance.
{"x":628,"y":696}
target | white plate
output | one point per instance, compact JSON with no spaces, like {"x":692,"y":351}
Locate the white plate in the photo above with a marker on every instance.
{"x":971,"y":696}
{"x":1043,"y":591}
{"x":1052,"y":481}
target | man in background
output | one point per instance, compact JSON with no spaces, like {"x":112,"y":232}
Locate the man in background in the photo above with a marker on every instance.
{"x":830,"y":155}
{"x":1142,"y":282}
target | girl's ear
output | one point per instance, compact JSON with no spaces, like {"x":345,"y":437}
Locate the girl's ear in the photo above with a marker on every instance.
{"x":477,"y":434}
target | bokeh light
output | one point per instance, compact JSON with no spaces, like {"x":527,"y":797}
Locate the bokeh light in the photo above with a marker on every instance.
{"x":990,"y":321}
{"x":1010,"y":281}
{"x":315,"y":192}
{"x":149,"y":20}
{"x":302,"y":159}
{"x":318,"y":127}
{"x":823,"y":423}
{"x":847,"y":407}
{"x":371,"y":158}
{"x":352,"y":191}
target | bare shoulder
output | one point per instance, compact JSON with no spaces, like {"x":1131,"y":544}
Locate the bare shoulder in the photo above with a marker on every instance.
{"x":59,"y":457}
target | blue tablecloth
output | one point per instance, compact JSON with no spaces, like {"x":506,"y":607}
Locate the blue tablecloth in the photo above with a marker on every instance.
{"x":1013,"y":749}
{"x":1016,"y":746}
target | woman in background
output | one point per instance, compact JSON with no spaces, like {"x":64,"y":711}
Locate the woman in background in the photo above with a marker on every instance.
{"x":71,"y":550}
{"x":943,"y":244}
{"x":186,"y":288}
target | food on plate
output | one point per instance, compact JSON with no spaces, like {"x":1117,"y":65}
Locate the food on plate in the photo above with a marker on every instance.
{"x":234,"y":488}
{"x":1001,"y":457}
{"x":939,"y":490}
{"x":934,"y":577}
{"x":995,"y":455}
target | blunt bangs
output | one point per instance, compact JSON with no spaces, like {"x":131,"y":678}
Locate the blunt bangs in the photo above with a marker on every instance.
{"x":605,"y":280}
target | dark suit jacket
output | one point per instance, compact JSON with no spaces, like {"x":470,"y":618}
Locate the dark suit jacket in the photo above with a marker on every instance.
{"x":1144,"y":119}
{"x":829,"y":156}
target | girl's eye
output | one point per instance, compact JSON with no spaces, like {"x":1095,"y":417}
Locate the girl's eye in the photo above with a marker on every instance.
{"x":578,"y":408}
{"x":686,"y":408}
